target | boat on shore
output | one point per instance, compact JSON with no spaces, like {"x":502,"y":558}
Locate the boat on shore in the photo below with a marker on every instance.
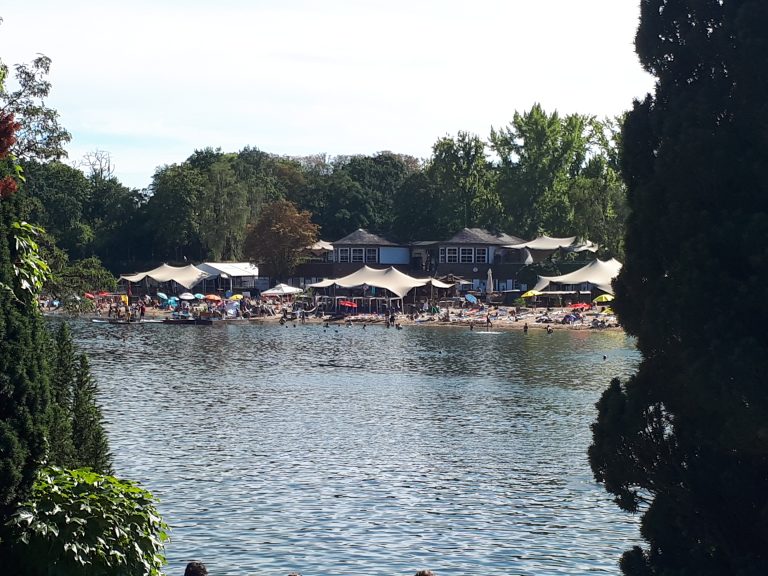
{"x":190,"y":321}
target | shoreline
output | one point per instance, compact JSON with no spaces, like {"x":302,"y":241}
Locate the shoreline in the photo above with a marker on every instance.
{"x":467,"y":320}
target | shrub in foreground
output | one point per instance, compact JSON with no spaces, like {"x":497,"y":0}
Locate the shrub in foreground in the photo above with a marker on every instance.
{"x":80,"y":522}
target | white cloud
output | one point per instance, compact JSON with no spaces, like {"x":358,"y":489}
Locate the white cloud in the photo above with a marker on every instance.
{"x":152,"y":81}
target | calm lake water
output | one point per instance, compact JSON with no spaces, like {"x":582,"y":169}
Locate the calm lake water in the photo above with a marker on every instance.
{"x":365,"y":451}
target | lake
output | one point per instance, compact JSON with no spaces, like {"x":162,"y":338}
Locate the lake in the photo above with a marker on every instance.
{"x":358,"y":450}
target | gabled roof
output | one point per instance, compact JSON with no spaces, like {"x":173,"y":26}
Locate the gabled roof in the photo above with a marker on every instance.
{"x":362,"y":237}
{"x":480,"y":236}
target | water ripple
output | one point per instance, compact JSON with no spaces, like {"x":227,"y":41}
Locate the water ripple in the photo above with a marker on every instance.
{"x":350,"y":450}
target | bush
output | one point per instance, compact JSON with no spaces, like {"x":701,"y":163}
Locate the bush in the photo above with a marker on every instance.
{"x":79,"y":522}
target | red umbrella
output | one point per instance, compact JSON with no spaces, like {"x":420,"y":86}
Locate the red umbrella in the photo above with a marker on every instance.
{"x":89,"y":296}
{"x":580,"y":306}
{"x":103,"y":293}
{"x":348,"y":303}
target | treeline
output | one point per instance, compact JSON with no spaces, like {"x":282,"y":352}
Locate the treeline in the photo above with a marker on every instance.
{"x":541,"y":174}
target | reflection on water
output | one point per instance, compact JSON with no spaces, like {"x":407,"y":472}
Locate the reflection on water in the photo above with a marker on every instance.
{"x":351,"y":450}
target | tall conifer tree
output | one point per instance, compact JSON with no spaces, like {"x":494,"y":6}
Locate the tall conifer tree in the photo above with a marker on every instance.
{"x":88,"y":435}
{"x":685,"y":440}
{"x":24,"y":396}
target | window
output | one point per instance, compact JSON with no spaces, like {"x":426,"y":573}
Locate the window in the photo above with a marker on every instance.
{"x":357,"y":254}
{"x":343,"y":254}
{"x":442,"y":255}
{"x":452,"y":255}
{"x":466,"y":255}
{"x":371,"y":254}
{"x":481,"y":255}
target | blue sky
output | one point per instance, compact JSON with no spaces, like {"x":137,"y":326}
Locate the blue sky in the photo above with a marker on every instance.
{"x":151,"y":81}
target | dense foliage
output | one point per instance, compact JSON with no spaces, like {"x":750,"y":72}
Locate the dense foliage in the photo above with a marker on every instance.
{"x":550,"y":175}
{"x":685,"y":440}
{"x":278,"y":236}
{"x":80,"y":522}
{"x":24,"y":392}
{"x":71,"y":522}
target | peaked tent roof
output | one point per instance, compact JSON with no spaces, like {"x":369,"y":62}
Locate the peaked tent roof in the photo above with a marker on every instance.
{"x":281,"y":290}
{"x":390,"y":279}
{"x":437,"y":283}
{"x":546,"y":243}
{"x":324,"y":283}
{"x":597,"y":272}
{"x":362,"y":237}
{"x":186,"y":276}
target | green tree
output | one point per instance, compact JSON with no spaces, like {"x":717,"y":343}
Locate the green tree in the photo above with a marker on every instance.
{"x":58,"y":196}
{"x":62,"y":449}
{"x":223,"y":211}
{"x":91,"y":445}
{"x":40,"y":135}
{"x":343,"y":205}
{"x":460,"y":169}
{"x":112,"y":213}
{"x":172,"y":219}
{"x":598,"y":194}
{"x":79,"y":523}
{"x":379,"y":176}
{"x":540,"y":154}
{"x":417,"y":213}
{"x":684,"y":441}
{"x":24,"y":387}
{"x":277,"y":238}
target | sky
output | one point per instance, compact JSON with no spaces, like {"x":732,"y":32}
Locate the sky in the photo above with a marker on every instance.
{"x":151,"y":81}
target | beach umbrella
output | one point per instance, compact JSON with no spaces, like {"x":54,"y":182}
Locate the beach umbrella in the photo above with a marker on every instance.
{"x":489,"y":281}
{"x":236,"y":297}
{"x":199,"y":296}
{"x":89,"y":296}
{"x":580,"y":306}
{"x":187,"y":296}
{"x":603,"y":298}
{"x":470,"y":298}
{"x":530,"y":294}
{"x":213,"y":297}
{"x":162,"y":296}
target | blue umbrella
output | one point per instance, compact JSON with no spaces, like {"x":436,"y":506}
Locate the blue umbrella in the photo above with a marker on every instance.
{"x":162,"y":296}
{"x":199,"y":296}
{"x":471,"y":299}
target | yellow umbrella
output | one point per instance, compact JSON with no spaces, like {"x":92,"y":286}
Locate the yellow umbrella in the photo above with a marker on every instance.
{"x":531,"y":294}
{"x":603,"y":298}
{"x":237,"y":297}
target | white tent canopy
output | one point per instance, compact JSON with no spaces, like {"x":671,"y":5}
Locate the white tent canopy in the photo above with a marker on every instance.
{"x":597,"y":273}
{"x":325,"y":283}
{"x":390,"y":279}
{"x":230,"y":269}
{"x":541,"y":248}
{"x":282,"y":290}
{"x":438,"y":283}
{"x":187,"y":276}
